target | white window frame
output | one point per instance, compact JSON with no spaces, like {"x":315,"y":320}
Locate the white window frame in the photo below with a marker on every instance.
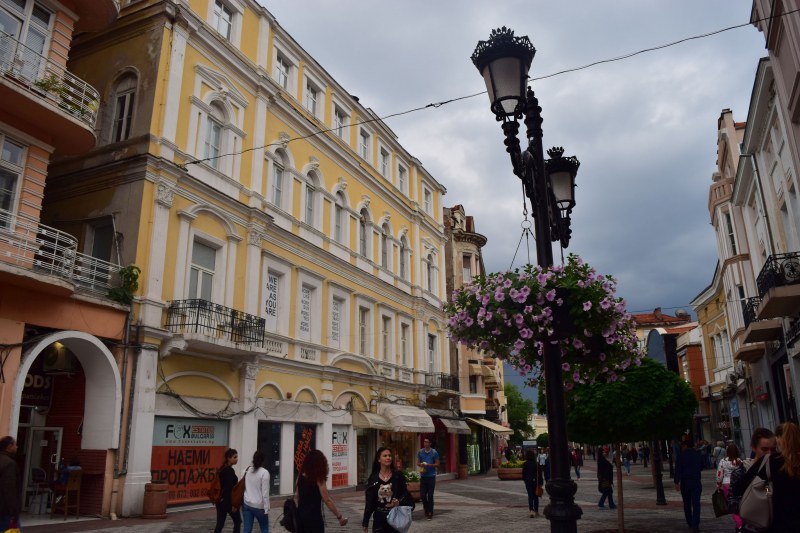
{"x":432,"y":349}
{"x":387,"y":336}
{"x":406,"y":339}
{"x":431,"y":274}
{"x":314,"y":284}
{"x":364,"y":324}
{"x":340,"y":219}
{"x":12,"y":167}
{"x":466,"y":267}
{"x":315,"y":104}
{"x":236,"y":8}
{"x":386,"y":247}
{"x":385,"y":162}
{"x":272,"y":266}
{"x":33,"y":67}
{"x":365,"y":144}
{"x":220,"y":261}
{"x":309,"y":207}
{"x":291,"y":62}
{"x":363,"y":234}
{"x":402,"y":178}
{"x":404,"y":256}
{"x":427,"y":200}
{"x":342,"y":296}
{"x":212,"y":152}
{"x":277,"y":183}
{"x":124,"y":90}
{"x":340,"y":127}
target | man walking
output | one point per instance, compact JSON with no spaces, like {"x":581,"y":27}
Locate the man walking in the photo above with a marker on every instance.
{"x":10,"y":485}
{"x":428,"y":461}
{"x":688,"y":466}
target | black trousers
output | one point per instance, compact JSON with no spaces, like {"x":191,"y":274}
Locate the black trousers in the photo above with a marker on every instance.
{"x":379,"y":523}
{"x":426,"y":487}
{"x":224,"y":510}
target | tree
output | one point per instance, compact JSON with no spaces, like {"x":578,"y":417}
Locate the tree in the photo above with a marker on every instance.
{"x":543,"y":440}
{"x":518,"y":409}
{"x":647,"y":402}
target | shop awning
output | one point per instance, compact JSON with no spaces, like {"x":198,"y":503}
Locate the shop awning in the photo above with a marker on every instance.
{"x":450,"y":420}
{"x":370,"y":420}
{"x":497,"y":428}
{"x":406,"y":418}
{"x":475,"y":370}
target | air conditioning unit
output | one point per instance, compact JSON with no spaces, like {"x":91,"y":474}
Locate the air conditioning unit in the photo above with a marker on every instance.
{"x":705,"y":392}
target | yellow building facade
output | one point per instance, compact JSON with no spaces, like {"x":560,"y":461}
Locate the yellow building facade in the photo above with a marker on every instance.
{"x":291,"y":249}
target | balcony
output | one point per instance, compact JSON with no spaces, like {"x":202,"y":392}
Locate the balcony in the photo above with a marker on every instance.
{"x":40,"y":92}
{"x":492,"y":414}
{"x":214,"y":320}
{"x":779,"y":286}
{"x":446,"y":382}
{"x":46,"y":251}
{"x":759,"y":330}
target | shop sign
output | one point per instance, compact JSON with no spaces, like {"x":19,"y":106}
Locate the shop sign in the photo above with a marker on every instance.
{"x":186,"y":455}
{"x":304,"y":441}
{"x":38,"y":389}
{"x":340,"y":455}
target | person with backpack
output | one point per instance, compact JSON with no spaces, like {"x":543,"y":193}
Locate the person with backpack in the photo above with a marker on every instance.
{"x":227,"y":480}
{"x":311,"y":492}
{"x":256,"y":495}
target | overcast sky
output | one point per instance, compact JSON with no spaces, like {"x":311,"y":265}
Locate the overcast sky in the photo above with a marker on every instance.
{"x":644,"y":128}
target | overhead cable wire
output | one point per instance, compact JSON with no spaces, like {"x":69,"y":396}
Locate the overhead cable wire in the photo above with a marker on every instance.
{"x":436,"y":105}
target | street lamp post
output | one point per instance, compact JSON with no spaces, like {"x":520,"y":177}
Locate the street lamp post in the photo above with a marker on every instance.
{"x":504,"y":61}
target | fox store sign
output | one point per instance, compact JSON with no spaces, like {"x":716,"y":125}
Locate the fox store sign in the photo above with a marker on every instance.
{"x":186,"y":455}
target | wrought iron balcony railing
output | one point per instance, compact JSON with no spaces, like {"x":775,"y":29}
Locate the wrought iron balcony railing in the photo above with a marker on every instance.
{"x":45,"y":250}
{"x":779,"y":270}
{"x":442,"y":381}
{"x":47,"y":79}
{"x":750,"y":310}
{"x":214,"y":320}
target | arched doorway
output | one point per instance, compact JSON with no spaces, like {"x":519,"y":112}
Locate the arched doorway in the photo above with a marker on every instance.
{"x":66,"y":404}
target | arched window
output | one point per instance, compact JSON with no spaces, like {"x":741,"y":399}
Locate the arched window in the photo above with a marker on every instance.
{"x":403,"y":258}
{"x":429,"y":274}
{"x":311,"y":198}
{"x":385,"y":246}
{"x":362,"y":232}
{"x":124,"y":99}
{"x":213,"y":141}
{"x":339,"y":218}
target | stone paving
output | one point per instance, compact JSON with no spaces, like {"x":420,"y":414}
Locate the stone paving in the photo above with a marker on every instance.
{"x":479,"y":504}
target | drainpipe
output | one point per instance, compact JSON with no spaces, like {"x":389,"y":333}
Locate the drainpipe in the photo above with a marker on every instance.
{"x":115,"y":482}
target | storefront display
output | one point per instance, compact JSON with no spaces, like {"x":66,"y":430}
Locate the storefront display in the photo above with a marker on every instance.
{"x":404,"y":446}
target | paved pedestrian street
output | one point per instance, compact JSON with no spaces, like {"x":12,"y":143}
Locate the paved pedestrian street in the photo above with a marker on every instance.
{"x":478,"y":504}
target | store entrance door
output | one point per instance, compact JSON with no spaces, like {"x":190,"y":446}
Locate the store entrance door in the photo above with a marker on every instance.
{"x":42,"y":456}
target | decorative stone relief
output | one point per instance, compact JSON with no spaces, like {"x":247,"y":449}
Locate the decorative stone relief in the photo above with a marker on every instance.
{"x":313,"y":164}
{"x":283,"y":139}
{"x":254,"y":235}
{"x":365,"y":200}
{"x":165,"y":194}
{"x":250,"y":371}
{"x":342,"y":184}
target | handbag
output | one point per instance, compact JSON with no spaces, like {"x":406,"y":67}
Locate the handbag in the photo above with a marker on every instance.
{"x":215,"y":490}
{"x":755,"y":507}
{"x":720,"y":504}
{"x":237,"y":492}
{"x":289,"y":519}
{"x":539,"y":491}
{"x":400,"y":518}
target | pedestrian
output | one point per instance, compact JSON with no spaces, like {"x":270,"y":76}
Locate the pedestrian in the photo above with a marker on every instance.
{"x":386,"y":489}
{"x":532,"y":476}
{"x":626,"y":460}
{"x":428,"y":461}
{"x":688,"y":466}
{"x":645,"y":455}
{"x":634,"y":454}
{"x":726,"y":466}
{"x":227,"y":480}
{"x":256,"y":495}
{"x":544,"y":464}
{"x":784,"y":469}
{"x":762,"y":442}
{"x":311,"y":492}
{"x":10,"y":485}
{"x":576,"y":459}
{"x":718,"y":453}
{"x":605,"y":480}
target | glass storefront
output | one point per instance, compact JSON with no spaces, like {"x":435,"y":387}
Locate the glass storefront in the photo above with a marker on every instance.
{"x":404,"y":445}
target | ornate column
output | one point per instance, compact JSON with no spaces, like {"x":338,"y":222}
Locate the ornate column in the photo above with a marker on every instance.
{"x":154,"y":271}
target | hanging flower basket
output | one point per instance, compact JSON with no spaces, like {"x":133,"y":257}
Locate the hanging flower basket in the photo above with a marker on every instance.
{"x":513,"y":314}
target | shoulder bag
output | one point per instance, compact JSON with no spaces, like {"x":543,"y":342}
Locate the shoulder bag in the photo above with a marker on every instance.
{"x":720,"y":504}
{"x":755,"y":507}
{"x":237,"y":492}
{"x":400,"y":518}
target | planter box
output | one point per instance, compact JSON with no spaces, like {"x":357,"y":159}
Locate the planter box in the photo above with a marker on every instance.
{"x":509,"y":473}
{"x":413,"y":489}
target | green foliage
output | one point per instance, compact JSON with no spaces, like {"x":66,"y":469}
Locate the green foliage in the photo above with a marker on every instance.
{"x":51,"y":84}
{"x":543,"y":440}
{"x":541,"y":401}
{"x":129,"y":284}
{"x":512,"y":463}
{"x":411,"y":476}
{"x":518,"y":409}
{"x":649,"y":402}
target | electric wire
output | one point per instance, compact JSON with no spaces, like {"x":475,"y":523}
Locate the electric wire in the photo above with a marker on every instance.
{"x":436,"y":105}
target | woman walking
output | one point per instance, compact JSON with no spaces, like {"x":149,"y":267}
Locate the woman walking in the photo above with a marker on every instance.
{"x":605,"y":481}
{"x":727,"y":465}
{"x":256,"y":495}
{"x":311,"y":492}
{"x":227,"y":480}
{"x":386,"y":489}
{"x":532,"y":476}
{"x":784,"y":479}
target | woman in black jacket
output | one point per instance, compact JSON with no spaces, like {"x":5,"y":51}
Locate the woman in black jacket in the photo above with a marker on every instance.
{"x":532,"y":476}
{"x":386,"y":489}
{"x":227,"y":480}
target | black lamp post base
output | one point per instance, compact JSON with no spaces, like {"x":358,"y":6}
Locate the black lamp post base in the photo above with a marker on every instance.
{"x":562,"y":511}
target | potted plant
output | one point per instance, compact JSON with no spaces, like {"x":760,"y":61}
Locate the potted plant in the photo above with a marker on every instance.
{"x":511,"y":469}
{"x":513,"y":314}
{"x":412,"y":478}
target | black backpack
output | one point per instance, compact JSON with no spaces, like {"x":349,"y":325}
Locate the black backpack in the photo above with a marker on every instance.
{"x":289,"y":519}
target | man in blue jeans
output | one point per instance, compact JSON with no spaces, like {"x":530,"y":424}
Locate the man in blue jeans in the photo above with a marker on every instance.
{"x":688,"y":465}
{"x":428,"y":461}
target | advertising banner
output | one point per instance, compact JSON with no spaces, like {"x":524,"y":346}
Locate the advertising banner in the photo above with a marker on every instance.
{"x":340,"y":455}
{"x":186,"y":455}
